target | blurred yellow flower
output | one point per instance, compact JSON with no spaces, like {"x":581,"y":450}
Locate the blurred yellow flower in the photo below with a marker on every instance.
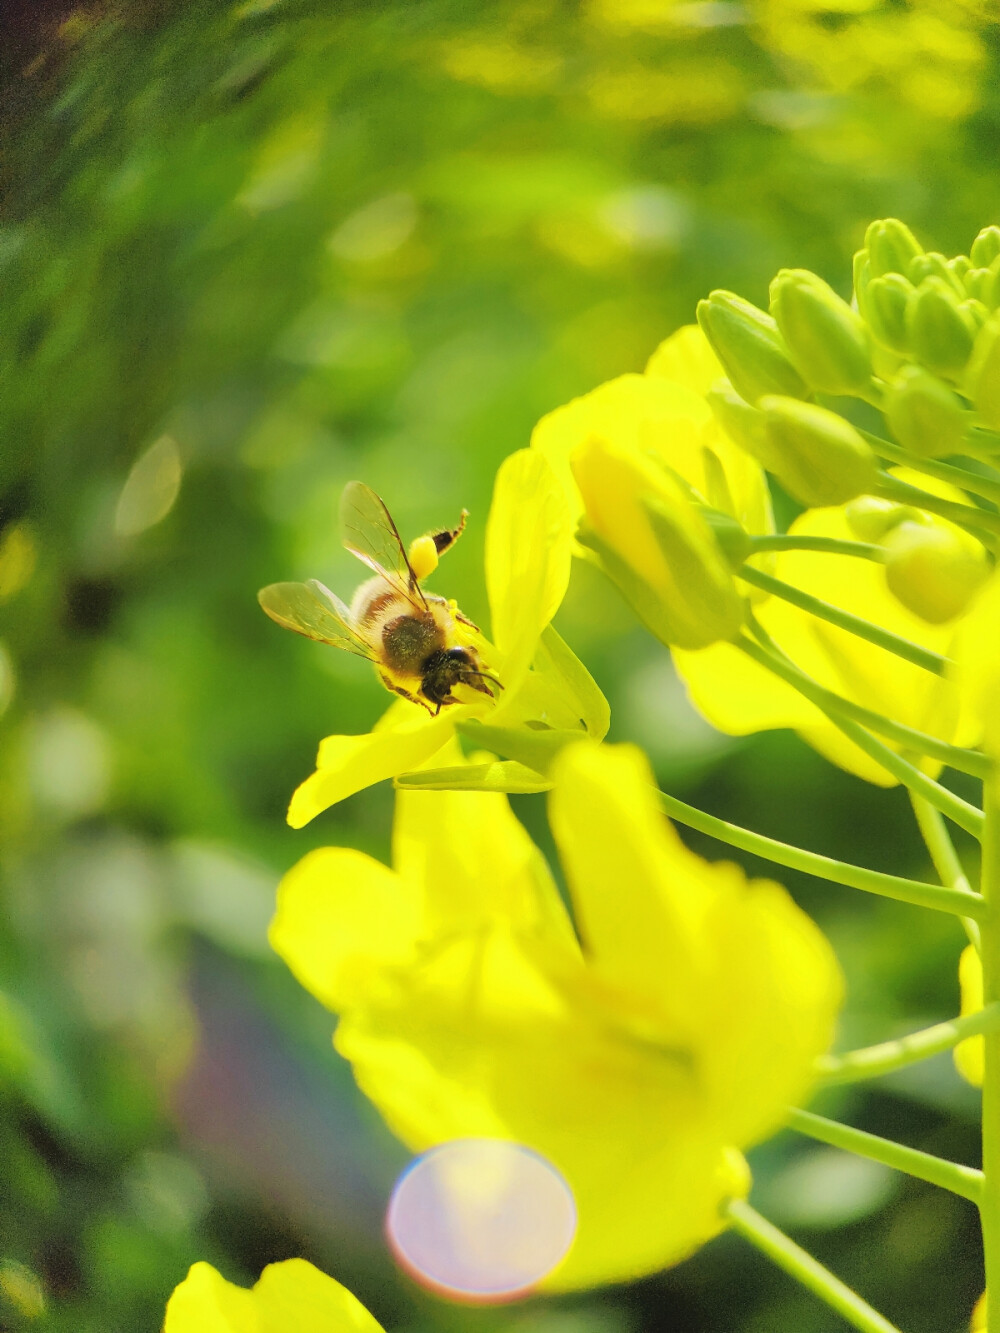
{"x":290,"y":1296}
{"x":528,"y":538}
{"x":638,"y":1065}
{"x":977,"y":663}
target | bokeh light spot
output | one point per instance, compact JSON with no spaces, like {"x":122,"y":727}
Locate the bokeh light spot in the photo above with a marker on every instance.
{"x":480,"y":1220}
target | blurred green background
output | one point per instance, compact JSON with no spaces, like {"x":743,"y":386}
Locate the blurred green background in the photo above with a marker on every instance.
{"x":248,"y":252}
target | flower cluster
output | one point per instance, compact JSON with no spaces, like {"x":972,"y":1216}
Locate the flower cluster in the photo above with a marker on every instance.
{"x":643,"y":1030}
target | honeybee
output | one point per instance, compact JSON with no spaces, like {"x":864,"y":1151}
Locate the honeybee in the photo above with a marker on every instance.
{"x":410,"y":635}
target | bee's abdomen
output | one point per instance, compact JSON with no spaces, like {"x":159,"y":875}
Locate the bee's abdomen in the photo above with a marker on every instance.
{"x":409,"y":640}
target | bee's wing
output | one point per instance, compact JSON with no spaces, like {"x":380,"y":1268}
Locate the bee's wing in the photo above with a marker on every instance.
{"x":313,"y":610}
{"x":370,"y":534}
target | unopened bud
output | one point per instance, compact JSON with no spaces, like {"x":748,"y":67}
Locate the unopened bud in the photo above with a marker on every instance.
{"x":924,"y":415}
{"x":959,"y":267}
{"x":887,"y":300}
{"x":934,"y":569}
{"x":743,"y":424}
{"x":982,"y":378}
{"x":870,"y":517}
{"x":934,"y":265}
{"x":818,"y":456}
{"x":978,"y":282}
{"x":890,"y":245}
{"x":748,"y":344}
{"x":826,"y":340}
{"x":862,"y":276}
{"x":986,"y":247}
{"x":655,"y":544}
{"x":940,"y":330}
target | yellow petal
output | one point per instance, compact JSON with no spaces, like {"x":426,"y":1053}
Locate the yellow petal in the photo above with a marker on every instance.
{"x":772,"y":1005}
{"x":206,"y":1303}
{"x":473,"y":862}
{"x":347,"y":764}
{"x":700,"y":959}
{"x":636,"y":413}
{"x":977,"y":657}
{"x":528,"y":543}
{"x":341,"y":917}
{"x":667,"y":419}
{"x":637,"y":898}
{"x":970,"y":1055}
{"x":295,"y":1297}
{"x":687,"y":357}
{"x":288,"y":1296}
{"x":736,"y":695}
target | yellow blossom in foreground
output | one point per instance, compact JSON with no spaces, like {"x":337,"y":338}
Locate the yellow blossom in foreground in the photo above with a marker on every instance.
{"x":290,"y":1297}
{"x":528,"y":539}
{"x":739,"y":697}
{"x":637,"y":1065}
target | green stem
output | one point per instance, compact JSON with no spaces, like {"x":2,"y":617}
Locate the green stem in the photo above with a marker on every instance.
{"x":964,"y":815}
{"x":888,"y":1056}
{"x":987,"y":487}
{"x":975,"y":520}
{"x":963,"y":1180}
{"x":990,"y":954}
{"x":882,"y":638}
{"x":942,"y":852}
{"x":782,"y":541}
{"x":966,"y":761}
{"x":911,"y":891}
{"x":801,"y":1266}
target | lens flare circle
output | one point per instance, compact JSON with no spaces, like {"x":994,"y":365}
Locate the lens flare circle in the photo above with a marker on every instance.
{"x":480,"y":1220}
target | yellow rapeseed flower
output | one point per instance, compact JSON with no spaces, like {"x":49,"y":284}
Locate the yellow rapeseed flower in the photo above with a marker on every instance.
{"x":290,"y":1297}
{"x":528,"y":540}
{"x":638,"y":1065}
{"x":738,"y":696}
{"x":663,"y":415}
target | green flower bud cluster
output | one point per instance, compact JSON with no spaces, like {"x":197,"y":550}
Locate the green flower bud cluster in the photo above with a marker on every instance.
{"x":920,"y":340}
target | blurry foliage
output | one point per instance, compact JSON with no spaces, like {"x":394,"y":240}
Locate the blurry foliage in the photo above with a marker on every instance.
{"x":249,"y":251}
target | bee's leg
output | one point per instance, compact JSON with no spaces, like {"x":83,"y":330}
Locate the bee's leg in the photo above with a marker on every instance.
{"x":398,"y":689}
{"x":447,"y":537}
{"x":463,"y":618}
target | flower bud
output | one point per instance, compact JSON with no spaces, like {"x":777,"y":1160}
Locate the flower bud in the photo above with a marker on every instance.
{"x":862,"y":276}
{"x":887,"y":300}
{"x":654,"y":543}
{"x":748,"y":344}
{"x":978,"y":282}
{"x":959,"y":267}
{"x":870,"y":517}
{"x":934,"y":568}
{"x":941,"y":332}
{"x":982,"y":378}
{"x":818,"y":456}
{"x":890,"y":245}
{"x":986,"y":247}
{"x":827,"y":340}
{"x":924,"y":415}
{"x":742,"y":423}
{"x":934,"y":265}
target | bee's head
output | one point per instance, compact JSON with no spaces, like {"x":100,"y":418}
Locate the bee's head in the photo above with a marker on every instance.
{"x":450,"y":667}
